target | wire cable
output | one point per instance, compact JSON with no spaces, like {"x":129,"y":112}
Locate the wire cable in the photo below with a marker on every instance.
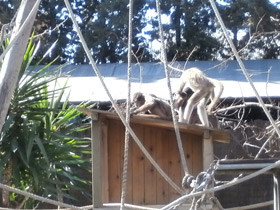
{"x":175,"y":122}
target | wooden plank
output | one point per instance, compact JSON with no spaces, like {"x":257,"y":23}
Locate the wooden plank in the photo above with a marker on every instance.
{"x":174,"y":166}
{"x":207,"y":150}
{"x":138,"y":165}
{"x":96,"y":149}
{"x":197,"y":158}
{"x":150,"y":171}
{"x":188,"y":149}
{"x":162,"y":154}
{"x":114,"y":160}
{"x":104,"y":161}
{"x":218,"y":134}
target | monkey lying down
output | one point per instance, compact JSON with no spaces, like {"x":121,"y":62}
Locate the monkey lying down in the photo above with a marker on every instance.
{"x":151,"y":104}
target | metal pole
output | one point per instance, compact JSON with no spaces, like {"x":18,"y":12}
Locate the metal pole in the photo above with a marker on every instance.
{"x":276,"y":189}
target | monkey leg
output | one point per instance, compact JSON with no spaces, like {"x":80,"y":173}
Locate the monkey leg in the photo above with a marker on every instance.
{"x":181,"y":113}
{"x":202,"y":113}
{"x":193,"y":101}
{"x":188,"y":111}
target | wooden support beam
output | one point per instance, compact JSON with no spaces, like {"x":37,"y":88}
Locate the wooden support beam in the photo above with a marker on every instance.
{"x":208,"y":150}
{"x":96,"y":157}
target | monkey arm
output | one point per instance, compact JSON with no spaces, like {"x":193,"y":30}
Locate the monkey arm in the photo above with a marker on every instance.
{"x":147,"y":106}
{"x":182,"y":83}
{"x":219,"y":87}
{"x":156,"y":107}
{"x":132,"y":109}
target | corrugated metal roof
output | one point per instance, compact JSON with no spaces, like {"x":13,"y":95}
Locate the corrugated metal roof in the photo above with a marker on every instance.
{"x":150,"y":78}
{"x":229,"y":70}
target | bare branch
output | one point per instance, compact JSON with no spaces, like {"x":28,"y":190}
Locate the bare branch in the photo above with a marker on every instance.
{"x":49,"y":31}
{"x":246,"y":104}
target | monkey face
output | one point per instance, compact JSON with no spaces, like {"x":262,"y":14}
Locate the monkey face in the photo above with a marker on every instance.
{"x":177,"y":100}
{"x":180,"y":99}
{"x":138,"y":99}
{"x":139,"y":103}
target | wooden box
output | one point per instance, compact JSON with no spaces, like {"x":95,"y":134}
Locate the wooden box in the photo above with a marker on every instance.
{"x":145,"y":186}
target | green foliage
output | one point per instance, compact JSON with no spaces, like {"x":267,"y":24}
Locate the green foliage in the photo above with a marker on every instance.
{"x":104,"y":24}
{"x":194,"y":30}
{"x":40,"y":137}
{"x":257,"y":21}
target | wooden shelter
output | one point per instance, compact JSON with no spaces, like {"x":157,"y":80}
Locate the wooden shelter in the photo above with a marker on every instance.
{"x":145,"y":186}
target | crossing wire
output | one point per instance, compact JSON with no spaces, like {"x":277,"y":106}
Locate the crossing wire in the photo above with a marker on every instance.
{"x":175,"y":122}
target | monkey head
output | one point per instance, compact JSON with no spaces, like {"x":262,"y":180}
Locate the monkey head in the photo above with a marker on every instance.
{"x":180,"y":98}
{"x":138,"y":99}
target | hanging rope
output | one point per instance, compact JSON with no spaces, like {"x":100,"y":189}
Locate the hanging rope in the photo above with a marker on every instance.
{"x":126,"y":141}
{"x":175,"y":122}
{"x":242,"y":66}
{"x":135,"y":138}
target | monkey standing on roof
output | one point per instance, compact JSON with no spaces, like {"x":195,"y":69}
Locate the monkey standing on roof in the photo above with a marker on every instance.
{"x":194,"y":80}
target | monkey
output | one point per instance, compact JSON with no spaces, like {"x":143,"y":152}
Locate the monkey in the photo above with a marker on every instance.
{"x":181,"y":99}
{"x":194,"y":80}
{"x":151,"y":104}
{"x":180,"y":105}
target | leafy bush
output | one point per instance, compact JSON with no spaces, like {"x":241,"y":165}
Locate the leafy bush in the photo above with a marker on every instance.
{"x":40,"y":150}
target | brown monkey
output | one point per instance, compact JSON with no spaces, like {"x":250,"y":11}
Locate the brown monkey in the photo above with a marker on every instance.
{"x":151,"y":104}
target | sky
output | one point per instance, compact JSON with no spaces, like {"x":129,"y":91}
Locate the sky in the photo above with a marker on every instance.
{"x":152,"y":14}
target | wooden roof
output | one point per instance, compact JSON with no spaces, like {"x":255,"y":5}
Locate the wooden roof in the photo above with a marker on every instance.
{"x":220,"y":135}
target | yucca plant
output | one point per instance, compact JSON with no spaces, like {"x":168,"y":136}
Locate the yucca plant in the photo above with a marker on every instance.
{"x":40,"y":149}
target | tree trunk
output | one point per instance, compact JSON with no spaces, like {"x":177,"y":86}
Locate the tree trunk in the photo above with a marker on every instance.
{"x":177,"y":19}
{"x":7,"y":180}
{"x":13,"y":59}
